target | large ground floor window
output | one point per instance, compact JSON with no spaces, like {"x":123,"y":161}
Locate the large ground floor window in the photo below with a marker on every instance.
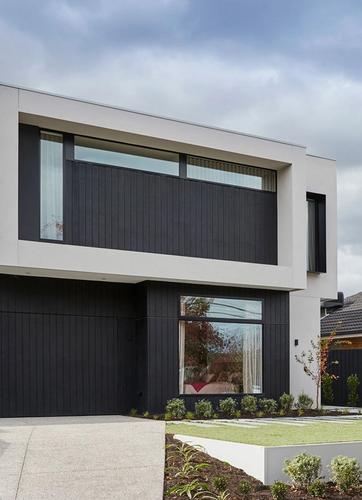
{"x":220,"y":356}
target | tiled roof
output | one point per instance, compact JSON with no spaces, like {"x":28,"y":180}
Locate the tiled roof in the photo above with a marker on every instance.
{"x":347,"y":319}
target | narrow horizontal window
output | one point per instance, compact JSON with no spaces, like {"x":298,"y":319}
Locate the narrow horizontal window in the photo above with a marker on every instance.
{"x":126,"y":155}
{"x":219,"y":307}
{"x":51,"y":186}
{"x":220,"y":358}
{"x":231,"y":173}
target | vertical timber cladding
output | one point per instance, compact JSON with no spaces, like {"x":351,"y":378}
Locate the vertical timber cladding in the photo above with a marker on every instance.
{"x":113,"y":207}
{"x":66,"y":347}
{"x":162,"y":326}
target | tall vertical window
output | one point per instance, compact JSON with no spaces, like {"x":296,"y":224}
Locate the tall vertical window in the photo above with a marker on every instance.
{"x":220,"y":345}
{"x":316,"y":236}
{"x":51,"y":186}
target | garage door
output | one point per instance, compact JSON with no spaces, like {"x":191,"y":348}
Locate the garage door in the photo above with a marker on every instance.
{"x":64,"y":364}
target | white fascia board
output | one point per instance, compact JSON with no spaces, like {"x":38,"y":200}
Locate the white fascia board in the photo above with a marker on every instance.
{"x":68,"y":261}
{"x":115,"y":119}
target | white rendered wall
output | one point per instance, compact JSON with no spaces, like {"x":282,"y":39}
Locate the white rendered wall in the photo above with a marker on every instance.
{"x":84,"y":263}
{"x":304,"y":327}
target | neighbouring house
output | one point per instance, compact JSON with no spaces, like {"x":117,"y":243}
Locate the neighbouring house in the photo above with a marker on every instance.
{"x":344,"y":316}
{"x":144,"y":258}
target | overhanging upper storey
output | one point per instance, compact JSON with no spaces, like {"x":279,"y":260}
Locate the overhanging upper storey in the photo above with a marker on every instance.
{"x":97,"y":192}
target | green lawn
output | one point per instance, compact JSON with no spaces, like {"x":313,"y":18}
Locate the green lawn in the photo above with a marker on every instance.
{"x":275,"y":434}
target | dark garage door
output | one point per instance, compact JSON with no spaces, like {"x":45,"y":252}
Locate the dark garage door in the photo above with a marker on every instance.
{"x":63,"y":364}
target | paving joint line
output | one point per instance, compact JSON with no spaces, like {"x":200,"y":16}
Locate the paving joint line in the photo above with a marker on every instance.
{"x":22,"y":465}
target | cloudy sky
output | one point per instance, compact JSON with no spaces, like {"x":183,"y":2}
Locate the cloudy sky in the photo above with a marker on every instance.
{"x":289,"y":69}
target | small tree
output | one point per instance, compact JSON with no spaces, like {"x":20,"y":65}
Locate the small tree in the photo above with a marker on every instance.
{"x":315,"y":361}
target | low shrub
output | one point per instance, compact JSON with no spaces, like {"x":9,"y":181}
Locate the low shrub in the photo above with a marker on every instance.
{"x":133,"y":412}
{"x":227,"y":407}
{"x":304,"y":402}
{"x":278,"y":490}
{"x":260,"y":414}
{"x":303,"y":469}
{"x":204,"y":409}
{"x":286,"y":402}
{"x":268,"y":406}
{"x":249,"y":404}
{"x":244,"y":487}
{"x":168,"y":416}
{"x":352,"y":390}
{"x":189,"y":415}
{"x":176,"y":408}
{"x":346,"y":472}
{"x":220,"y":483}
{"x":327,"y":389}
{"x":146,"y":414}
{"x":317,"y":488}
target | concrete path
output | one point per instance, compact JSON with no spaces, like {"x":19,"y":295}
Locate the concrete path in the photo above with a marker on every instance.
{"x":81,"y":458}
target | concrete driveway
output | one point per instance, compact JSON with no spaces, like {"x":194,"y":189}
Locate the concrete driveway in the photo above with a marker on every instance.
{"x":81,"y":457}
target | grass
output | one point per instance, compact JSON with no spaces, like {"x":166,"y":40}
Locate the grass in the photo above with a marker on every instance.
{"x":275,"y":434}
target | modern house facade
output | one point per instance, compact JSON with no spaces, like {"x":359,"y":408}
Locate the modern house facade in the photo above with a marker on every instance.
{"x":144,"y":258}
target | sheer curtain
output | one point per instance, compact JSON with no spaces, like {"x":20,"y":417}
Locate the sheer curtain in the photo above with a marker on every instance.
{"x":252,"y":359}
{"x":51,"y":191}
{"x":182,"y":356}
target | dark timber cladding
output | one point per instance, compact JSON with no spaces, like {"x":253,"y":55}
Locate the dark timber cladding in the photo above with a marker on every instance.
{"x":66,"y":347}
{"x":81,"y":348}
{"x":112,"y":207}
{"x":349,"y":363}
{"x":162,"y":336}
{"x":119,"y":208}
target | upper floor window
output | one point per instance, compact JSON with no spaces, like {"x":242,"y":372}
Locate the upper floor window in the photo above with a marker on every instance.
{"x":316,"y":237}
{"x":220,"y":345}
{"x":126,"y":155}
{"x":231,"y":173}
{"x":51,"y":186}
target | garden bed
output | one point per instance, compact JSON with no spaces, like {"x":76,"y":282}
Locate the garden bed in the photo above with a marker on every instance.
{"x":232,"y":475}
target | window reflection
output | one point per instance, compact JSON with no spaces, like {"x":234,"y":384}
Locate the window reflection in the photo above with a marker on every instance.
{"x":220,"y":358}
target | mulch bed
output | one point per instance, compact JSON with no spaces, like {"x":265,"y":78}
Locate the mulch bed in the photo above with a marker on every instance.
{"x":234,"y":476}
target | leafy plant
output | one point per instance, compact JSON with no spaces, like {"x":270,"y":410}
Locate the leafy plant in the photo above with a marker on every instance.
{"x":286,"y":402}
{"x":146,"y":414}
{"x":260,"y":414}
{"x":249,"y":404}
{"x":268,"y":406}
{"x":220,"y":483}
{"x":352,"y":390}
{"x":227,"y":407}
{"x":303,"y":469}
{"x":317,"y":488}
{"x":189,"y":415}
{"x":304,"y":402}
{"x":191,"y":489}
{"x":315,"y":362}
{"x":133,"y":412}
{"x":346,"y":472}
{"x":244,"y":487}
{"x":176,"y":408}
{"x":204,"y":409}
{"x":278,"y":490}
{"x":327,"y":388}
{"x":188,"y":469}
